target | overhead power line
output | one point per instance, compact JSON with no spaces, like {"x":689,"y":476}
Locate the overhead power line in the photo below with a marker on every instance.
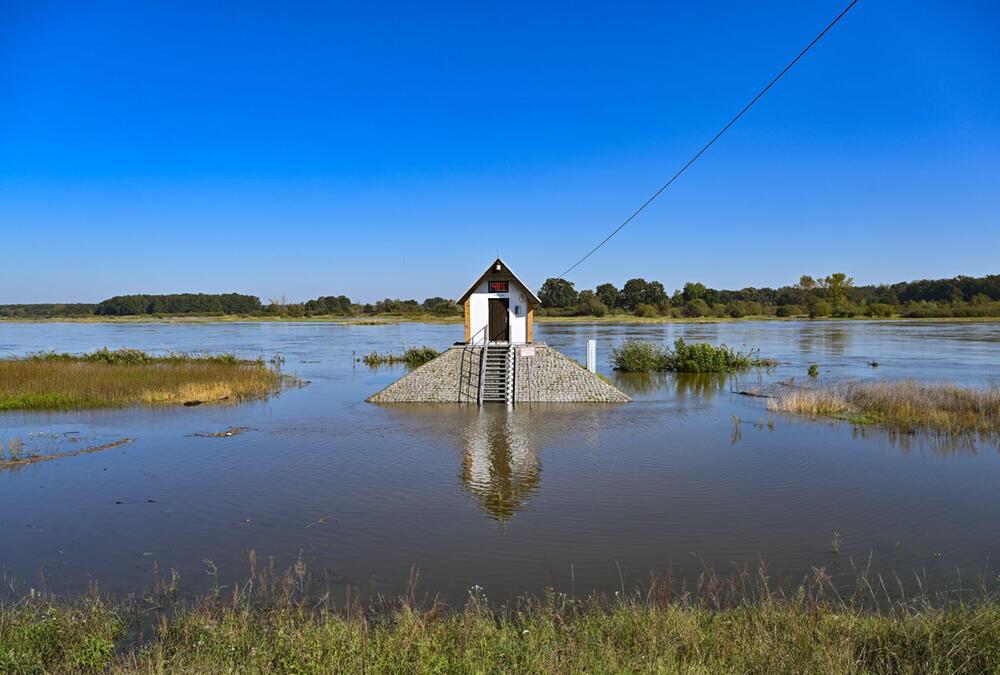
{"x":724,"y":129}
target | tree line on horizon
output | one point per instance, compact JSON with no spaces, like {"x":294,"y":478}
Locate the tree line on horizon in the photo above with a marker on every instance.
{"x":833,"y":295}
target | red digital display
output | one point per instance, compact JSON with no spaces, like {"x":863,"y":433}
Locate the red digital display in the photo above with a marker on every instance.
{"x":498,"y":287}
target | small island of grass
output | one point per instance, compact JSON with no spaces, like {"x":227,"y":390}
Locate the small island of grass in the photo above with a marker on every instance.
{"x":905,"y":405}
{"x":129,"y":377}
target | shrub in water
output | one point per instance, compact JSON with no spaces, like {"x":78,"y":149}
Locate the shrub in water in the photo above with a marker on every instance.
{"x":418,"y":356}
{"x":705,"y":358}
{"x":638,"y":356}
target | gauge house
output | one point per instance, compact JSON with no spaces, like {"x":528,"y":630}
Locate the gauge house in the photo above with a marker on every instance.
{"x":499,"y":308}
{"x":499,"y":360}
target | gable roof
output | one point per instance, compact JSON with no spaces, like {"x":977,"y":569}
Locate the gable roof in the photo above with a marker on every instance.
{"x":505,"y":270}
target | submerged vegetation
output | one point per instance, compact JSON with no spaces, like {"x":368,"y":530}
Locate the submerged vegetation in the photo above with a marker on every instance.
{"x":413,"y":357}
{"x":17,"y":455}
{"x":125,"y":377}
{"x":280,"y":623}
{"x":641,"y":356}
{"x":905,"y":405}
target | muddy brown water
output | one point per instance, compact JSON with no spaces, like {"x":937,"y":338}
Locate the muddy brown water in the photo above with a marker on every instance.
{"x":578,"y":498}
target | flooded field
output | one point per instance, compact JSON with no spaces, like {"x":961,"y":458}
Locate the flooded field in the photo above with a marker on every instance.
{"x":690,"y":475}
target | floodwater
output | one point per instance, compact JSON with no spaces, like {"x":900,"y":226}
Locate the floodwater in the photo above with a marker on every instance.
{"x":575,"y":497}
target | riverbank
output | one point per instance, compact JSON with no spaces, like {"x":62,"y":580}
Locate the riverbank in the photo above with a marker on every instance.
{"x":249,"y":630}
{"x":390,"y":319}
{"x":127,"y":377}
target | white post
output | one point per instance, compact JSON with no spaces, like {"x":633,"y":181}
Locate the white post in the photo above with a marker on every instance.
{"x":592,"y":355}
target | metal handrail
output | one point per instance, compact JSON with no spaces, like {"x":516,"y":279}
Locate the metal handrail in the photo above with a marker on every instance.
{"x":464,"y":373}
{"x":483,"y":361}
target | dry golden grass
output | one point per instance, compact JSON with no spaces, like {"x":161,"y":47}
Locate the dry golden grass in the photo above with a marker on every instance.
{"x":906,"y":405}
{"x":127,"y":378}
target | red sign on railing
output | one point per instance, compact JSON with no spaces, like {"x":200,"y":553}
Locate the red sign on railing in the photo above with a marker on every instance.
{"x":499,"y":287}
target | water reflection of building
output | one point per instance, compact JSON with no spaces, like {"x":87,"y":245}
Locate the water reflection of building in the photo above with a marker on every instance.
{"x":501,"y":467}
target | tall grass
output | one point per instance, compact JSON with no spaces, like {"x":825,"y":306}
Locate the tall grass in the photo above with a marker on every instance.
{"x":277,"y":623}
{"x":905,"y":405}
{"x":126,"y":377}
{"x":642,"y":356}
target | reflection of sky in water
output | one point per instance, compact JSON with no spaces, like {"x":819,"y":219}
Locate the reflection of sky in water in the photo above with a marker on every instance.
{"x":364,"y":492}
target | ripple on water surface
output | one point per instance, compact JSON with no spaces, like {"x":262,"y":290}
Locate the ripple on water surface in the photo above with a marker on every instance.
{"x":509,"y":500}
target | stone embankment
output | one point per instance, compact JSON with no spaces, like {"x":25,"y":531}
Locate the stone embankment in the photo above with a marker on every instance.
{"x":548,"y":376}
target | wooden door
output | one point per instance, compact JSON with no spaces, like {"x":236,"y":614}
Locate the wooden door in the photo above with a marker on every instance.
{"x":499,"y":329}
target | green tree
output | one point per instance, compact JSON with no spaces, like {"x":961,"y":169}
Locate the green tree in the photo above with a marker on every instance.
{"x":693,"y":291}
{"x":557,"y":292}
{"x":608,"y":294}
{"x":836,"y":286}
{"x":639,"y":291}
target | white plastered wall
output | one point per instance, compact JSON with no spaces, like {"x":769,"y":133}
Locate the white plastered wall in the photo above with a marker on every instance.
{"x":517,"y":314}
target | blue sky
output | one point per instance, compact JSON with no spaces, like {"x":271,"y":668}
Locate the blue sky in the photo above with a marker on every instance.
{"x":306,"y":149}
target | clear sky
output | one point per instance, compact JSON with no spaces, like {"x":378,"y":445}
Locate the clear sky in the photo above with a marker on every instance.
{"x":372,"y":149}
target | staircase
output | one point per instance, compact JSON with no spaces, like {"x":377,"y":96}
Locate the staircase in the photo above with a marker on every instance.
{"x":498,"y":375}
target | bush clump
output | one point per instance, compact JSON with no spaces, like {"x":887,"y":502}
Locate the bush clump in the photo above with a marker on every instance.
{"x":640,"y":356}
{"x":418,"y":356}
{"x":413,"y":357}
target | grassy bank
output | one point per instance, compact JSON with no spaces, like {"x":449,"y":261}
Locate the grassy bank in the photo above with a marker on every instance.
{"x":905,"y":405}
{"x":274,"y":627}
{"x":127,"y":377}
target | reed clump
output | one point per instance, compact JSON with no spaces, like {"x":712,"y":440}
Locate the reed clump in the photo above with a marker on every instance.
{"x":905,"y":405}
{"x":281,"y":622}
{"x":126,"y":377}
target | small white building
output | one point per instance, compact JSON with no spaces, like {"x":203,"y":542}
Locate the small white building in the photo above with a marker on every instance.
{"x":499,"y":307}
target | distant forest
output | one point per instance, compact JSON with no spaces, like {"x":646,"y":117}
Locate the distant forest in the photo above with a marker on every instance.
{"x":834,"y":295}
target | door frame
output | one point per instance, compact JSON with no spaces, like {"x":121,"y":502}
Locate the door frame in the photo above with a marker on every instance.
{"x":492,"y":337}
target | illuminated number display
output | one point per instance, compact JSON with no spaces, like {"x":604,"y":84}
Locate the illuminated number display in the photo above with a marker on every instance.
{"x":498,"y":287}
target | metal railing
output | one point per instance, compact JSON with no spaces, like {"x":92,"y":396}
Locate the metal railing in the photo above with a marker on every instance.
{"x":470,"y":389}
{"x":482,"y":364}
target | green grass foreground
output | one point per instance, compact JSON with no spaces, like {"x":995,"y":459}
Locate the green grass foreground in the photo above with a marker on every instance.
{"x":127,"y":377}
{"x":904,"y":405}
{"x":553,"y":635}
